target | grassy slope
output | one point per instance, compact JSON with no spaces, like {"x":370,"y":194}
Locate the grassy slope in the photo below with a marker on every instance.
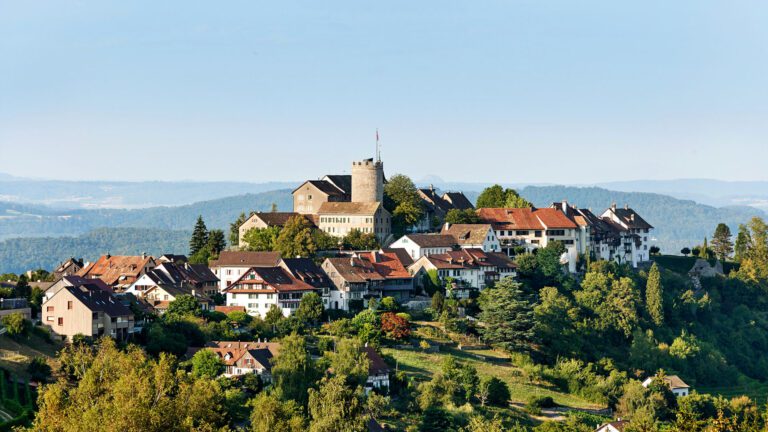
{"x":15,"y":356}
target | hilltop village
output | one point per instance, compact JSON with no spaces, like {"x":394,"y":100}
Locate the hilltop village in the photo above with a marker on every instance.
{"x":388,"y":287}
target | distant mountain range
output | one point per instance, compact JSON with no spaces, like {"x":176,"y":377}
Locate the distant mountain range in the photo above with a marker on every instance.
{"x":90,"y":233}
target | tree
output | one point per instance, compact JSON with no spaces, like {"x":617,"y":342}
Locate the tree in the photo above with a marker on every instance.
{"x":310,"y":308}
{"x":401,"y":199}
{"x":234,"y":229}
{"x":685,"y":251}
{"x":466,"y":216}
{"x":349,"y":360}
{"x":270,"y":414}
{"x":497,"y":197}
{"x":336,"y":407}
{"x":435,"y":419}
{"x":183,"y":305}
{"x":704,"y":250}
{"x":22,"y":288}
{"x":206,"y":364}
{"x":261,"y":239}
{"x":493,"y":391}
{"x":293,"y":371}
{"x":507,"y":316}
{"x":721,"y":242}
{"x":395,"y":326}
{"x":296,"y":239}
{"x":358,"y":240}
{"x":138,"y":392}
{"x":38,"y":369}
{"x":216,"y":241}
{"x":654,"y":250}
{"x":654,"y":296}
{"x":199,"y":236}
{"x":16,"y":325}
{"x":742,"y":243}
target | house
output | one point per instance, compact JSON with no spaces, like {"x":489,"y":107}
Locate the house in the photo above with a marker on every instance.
{"x":260,"y":220}
{"x":614,"y":426}
{"x":634,"y":231}
{"x":260,"y":288}
{"x":365,"y":275}
{"x":436,"y":206}
{"x":308,"y":197}
{"x":232,"y":264}
{"x":171,"y":258}
{"x":305,"y":270}
{"x":75,"y":281}
{"x":84,"y":310}
{"x":339,"y":218}
{"x":69,"y":267}
{"x":419,"y":245}
{"x":378,"y":371}
{"x":159,"y":297}
{"x":675,"y":383}
{"x":532,"y":228}
{"x":119,"y":272}
{"x":242,"y":358}
{"x":470,"y":269}
{"x":178,"y":274}
{"x":473,"y":236}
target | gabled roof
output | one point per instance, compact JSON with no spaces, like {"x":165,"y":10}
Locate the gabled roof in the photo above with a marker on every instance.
{"x":228,"y":309}
{"x":95,"y":283}
{"x":232,"y":351}
{"x":467,"y":234}
{"x":176,"y":291}
{"x":325,"y":187}
{"x":98,"y":301}
{"x":432,"y":240}
{"x":471,"y":258}
{"x":400,"y":254}
{"x":116,"y":270}
{"x":355,"y":270}
{"x":277,"y":219}
{"x":66,"y":264}
{"x":344,"y":208}
{"x":458,"y":200}
{"x":307,"y":271}
{"x":343,"y":182}
{"x":376,"y":364}
{"x":525,"y":218}
{"x":631,"y":218}
{"x":246,"y":259}
{"x":618,"y":425}
{"x":276,"y":278}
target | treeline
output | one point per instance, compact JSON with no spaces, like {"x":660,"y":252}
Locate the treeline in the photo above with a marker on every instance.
{"x":22,"y":254}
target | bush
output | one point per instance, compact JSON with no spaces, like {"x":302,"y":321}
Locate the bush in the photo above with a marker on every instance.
{"x":38,"y":369}
{"x":537,"y":403}
{"x":16,"y":324}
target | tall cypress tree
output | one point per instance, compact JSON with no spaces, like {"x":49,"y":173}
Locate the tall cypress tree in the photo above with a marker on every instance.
{"x":654,"y":301}
{"x":199,"y":236}
{"x":704,"y":251}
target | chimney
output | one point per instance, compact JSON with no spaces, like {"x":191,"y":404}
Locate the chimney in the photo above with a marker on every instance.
{"x":626,"y":206}
{"x":351,"y":261}
{"x":431,"y":188}
{"x":193,"y":293}
{"x":143,"y":255}
{"x":446,"y":226}
{"x":613,"y":206}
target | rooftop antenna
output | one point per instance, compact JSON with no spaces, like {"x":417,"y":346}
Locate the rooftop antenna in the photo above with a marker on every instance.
{"x":378,"y":147}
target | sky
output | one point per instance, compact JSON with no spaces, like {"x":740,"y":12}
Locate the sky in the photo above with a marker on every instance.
{"x":486,"y":91}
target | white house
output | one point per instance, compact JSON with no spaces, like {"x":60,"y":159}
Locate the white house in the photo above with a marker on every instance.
{"x":242,"y":358}
{"x":473,"y":236}
{"x":675,"y":383}
{"x":419,"y":245}
{"x":231,"y":265}
{"x":614,"y":426}
{"x":260,"y":288}
{"x":635,"y":234}
{"x":378,"y":371}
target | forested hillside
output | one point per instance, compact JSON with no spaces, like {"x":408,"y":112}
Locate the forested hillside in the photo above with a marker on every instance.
{"x":18,"y":220}
{"x":22,"y":254}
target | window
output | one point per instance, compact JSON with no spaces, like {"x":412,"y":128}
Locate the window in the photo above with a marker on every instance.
{"x":49,"y":309}
{"x":69,"y":304}
{"x":61,"y":321}
{"x":522,"y":233}
{"x":538,"y":233}
{"x":555,"y":232}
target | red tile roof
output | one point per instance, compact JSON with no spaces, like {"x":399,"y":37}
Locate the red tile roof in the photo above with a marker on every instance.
{"x":525,"y":218}
{"x":117,"y":270}
{"x":274,"y":279}
{"x":246,"y":259}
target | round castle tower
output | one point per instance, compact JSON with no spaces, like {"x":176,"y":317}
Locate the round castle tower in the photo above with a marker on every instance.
{"x":368,"y":181}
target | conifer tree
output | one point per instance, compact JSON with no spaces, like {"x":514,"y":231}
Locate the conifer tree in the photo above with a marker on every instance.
{"x":742,"y":243}
{"x":199,"y":236}
{"x":508,"y":316}
{"x":234,"y":229}
{"x":721,"y":242}
{"x":654,"y":301}
{"x":704,"y":250}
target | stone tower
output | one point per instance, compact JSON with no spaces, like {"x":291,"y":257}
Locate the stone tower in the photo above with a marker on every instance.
{"x":368,"y":181}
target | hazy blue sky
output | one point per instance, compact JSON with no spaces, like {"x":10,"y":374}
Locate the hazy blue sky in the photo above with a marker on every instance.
{"x":514,"y":91}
